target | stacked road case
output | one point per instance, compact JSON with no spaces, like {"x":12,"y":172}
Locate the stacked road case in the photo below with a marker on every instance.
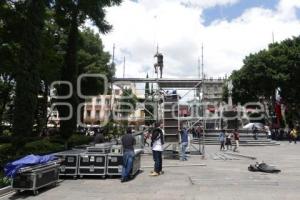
{"x":115,"y":161}
{"x":99,"y":160}
{"x":114,"y":164}
{"x":70,"y":162}
{"x":103,"y":148}
{"x":171,"y":116}
{"x":93,"y":162}
{"x":35,"y":177}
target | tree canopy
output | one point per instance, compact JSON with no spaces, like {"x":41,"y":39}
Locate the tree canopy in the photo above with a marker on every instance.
{"x":43,"y":41}
{"x":128,"y":102}
{"x":70,"y":15}
{"x":267,"y":70}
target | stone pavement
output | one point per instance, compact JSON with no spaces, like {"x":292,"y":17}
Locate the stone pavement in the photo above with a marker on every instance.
{"x":219,"y":179}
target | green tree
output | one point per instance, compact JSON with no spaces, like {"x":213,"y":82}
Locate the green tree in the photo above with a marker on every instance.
{"x":8,"y":57}
{"x":52,"y":51}
{"x":287,"y":56}
{"x":92,"y":59}
{"x":128,"y":102}
{"x":29,"y":20}
{"x":6,"y":92}
{"x":10,"y":46}
{"x":265,"y":71}
{"x":149,"y":119}
{"x":71,"y":14}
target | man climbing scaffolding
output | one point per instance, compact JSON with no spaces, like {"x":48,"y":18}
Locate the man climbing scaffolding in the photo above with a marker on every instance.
{"x":160,"y":63}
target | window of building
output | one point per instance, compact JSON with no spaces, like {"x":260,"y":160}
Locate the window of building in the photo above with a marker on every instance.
{"x":98,"y":101}
{"x":97,"y":114}
{"x":208,"y":89}
{"x":106,"y":101}
{"x":88,"y":100}
{"x":117,"y":92}
{"x":216,"y":88}
{"x":88,"y":113}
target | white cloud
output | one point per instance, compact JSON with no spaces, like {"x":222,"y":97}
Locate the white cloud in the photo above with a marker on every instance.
{"x":207,"y":3}
{"x":138,"y":27}
{"x":201,"y":4}
{"x":287,"y":9}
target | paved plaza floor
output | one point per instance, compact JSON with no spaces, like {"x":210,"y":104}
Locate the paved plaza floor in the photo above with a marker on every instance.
{"x":222,"y":177}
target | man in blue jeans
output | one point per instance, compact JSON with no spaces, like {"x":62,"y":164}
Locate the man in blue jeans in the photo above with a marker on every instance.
{"x":128,"y":141}
{"x":184,"y":143}
{"x":157,"y":142}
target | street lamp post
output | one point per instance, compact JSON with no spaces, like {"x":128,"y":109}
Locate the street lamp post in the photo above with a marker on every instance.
{"x":203,"y":121}
{"x":230,"y":87}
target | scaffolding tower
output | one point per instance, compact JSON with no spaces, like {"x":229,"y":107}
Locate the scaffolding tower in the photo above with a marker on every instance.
{"x":169,"y":108}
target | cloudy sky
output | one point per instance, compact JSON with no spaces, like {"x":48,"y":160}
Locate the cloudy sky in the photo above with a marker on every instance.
{"x":228,"y":29}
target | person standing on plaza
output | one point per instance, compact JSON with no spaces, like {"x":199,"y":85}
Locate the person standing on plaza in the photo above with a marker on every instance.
{"x":157,"y":141}
{"x":228,"y":140}
{"x":160,"y":63}
{"x":294,"y":135}
{"x":254,"y":132}
{"x":222,"y":140}
{"x":236,"y":137}
{"x":99,"y":137}
{"x":146,"y":137}
{"x":184,"y":143}
{"x":268,"y":132}
{"x":128,"y":142}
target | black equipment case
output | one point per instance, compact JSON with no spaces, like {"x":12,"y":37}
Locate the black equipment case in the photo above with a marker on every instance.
{"x":115,"y":161}
{"x":92,"y":164}
{"x":36,"y":177}
{"x":70,"y":162}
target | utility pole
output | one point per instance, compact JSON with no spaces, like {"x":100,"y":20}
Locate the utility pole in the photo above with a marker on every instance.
{"x":124,"y":68}
{"x":111,"y":85}
{"x":203,"y":112}
{"x":113,"y":56}
{"x":198,"y":67}
{"x":202,"y":62}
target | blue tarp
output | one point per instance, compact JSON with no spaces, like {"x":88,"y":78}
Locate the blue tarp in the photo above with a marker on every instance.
{"x":11,"y":169}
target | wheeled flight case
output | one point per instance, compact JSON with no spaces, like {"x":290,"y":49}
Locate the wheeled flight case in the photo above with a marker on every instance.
{"x":115,"y":162}
{"x":70,"y":162}
{"x":37,"y":176}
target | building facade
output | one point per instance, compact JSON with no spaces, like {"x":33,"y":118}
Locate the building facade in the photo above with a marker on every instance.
{"x":98,"y":109}
{"x":213,"y":90}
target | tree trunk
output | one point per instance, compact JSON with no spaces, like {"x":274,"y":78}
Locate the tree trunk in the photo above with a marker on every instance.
{"x":42,"y":117}
{"x":5,"y":98}
{"x":70,"y":74}
{"x":27,"y":76}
